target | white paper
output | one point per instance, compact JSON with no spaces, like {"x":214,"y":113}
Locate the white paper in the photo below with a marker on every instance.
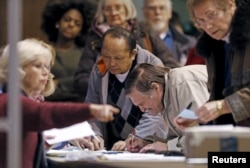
{"x":68,"y":133}
{"x":142,"y":157}
{"x":188,"y":114}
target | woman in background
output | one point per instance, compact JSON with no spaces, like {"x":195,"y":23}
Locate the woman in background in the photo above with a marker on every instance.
{"x":66,"y":24}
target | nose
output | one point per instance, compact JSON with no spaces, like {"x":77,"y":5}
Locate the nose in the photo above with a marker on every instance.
{"x":112,"y":62}
{"x":114,"y":12}
{"x":45,"y":71}
{"x":71,"y":23}
{"x":157,"y":10}
{"x":208,"y":25}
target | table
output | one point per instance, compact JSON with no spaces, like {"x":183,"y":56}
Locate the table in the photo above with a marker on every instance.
{"x":62,"y":163}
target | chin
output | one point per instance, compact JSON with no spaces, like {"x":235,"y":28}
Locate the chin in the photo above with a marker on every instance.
{"x":154,"y":113}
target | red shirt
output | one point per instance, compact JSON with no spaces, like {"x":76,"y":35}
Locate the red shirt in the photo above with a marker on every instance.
{"x":38,"y":117}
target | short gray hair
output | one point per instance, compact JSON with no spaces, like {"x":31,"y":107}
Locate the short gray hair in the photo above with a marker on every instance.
{"x":128,"y":4}
{"x":142,"y":76}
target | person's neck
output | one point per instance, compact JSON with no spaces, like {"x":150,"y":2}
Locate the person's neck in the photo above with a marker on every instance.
{"x":64,"y":44}
{"x":123,"y":25}
{"x":30,"y":92}
{"x":163,"y":30}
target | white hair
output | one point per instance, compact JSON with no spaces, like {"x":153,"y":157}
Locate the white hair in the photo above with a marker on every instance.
{"x":27,"y":50}
{"x":128,"y":4}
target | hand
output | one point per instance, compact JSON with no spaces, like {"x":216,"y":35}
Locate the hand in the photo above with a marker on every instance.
{"x":38,"y":98}
{"x":183,"y":123}
{"x":209,"y":111}
{"x":83,"y":143}
{"x":134,"y":143}
{"x":46,"y":137}
{"x":156,"y":146}
{"x":98,"y":143}
{"x":119,"y":146}
{"x":103,"y":112}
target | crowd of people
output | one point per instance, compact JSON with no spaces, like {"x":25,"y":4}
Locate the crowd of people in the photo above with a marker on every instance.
{"x":130,"y":76}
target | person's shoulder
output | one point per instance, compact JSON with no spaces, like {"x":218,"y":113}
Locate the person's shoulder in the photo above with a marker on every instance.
{"x":190,"y":72}
{"x":144,"y":55}
{"x":190,"y":68}
{"x":144,"y":26}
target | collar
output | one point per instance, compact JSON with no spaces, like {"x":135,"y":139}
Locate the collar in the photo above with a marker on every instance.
{"x":165,"y":96}
{"x":226,"y":38}
{"x":166,"y":34}
{"x":122,"y":77}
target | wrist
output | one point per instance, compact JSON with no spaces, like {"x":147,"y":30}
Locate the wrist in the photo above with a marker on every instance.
{"x":219,"y":107}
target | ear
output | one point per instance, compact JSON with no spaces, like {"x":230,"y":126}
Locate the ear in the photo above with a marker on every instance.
{"x":232,"y":4}
{"x":133,"y":54}
{"x":155,"y":86}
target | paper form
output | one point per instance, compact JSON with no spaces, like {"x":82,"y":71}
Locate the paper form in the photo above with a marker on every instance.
{"x":68,"y":133}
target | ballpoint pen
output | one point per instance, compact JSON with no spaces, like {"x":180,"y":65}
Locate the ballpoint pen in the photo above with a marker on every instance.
{"x":189,"y":105}
{"x":133,"y":137}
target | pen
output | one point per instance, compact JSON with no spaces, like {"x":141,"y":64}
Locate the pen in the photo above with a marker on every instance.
{"x":189,"y":105}
{"x":133,"y":137}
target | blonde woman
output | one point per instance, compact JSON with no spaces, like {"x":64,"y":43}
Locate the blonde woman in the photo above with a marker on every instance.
{"x":36,"y":58}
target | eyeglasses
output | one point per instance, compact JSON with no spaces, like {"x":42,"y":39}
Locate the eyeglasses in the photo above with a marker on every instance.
{"x":209,"y":18}
{"x":110,"y":9}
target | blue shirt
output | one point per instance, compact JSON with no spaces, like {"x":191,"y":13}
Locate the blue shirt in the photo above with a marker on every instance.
{"x":169,"y":41}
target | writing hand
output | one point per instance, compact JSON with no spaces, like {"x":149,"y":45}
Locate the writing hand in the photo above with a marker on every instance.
{"x":98,"y":142}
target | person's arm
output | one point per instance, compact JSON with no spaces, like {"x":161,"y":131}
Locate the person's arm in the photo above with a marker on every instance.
{"x":162,"y":51}
{"x":46,"y":115}
{"x":83,"y":70}
{"x":151,"y":126}
{"x":239,"y":103}
{"x":43,"y":116}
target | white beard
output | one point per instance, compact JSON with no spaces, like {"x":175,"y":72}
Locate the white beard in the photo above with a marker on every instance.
{"x":158,"y":27}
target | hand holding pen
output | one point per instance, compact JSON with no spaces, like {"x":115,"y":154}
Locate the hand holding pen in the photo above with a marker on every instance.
{"x":134,"y":143}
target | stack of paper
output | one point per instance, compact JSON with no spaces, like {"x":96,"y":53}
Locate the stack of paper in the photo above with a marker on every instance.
{"x":68,"y":133}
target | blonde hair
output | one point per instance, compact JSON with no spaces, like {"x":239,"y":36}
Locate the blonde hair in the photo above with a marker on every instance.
{"x":28,"y":50}
{"x":128,"y":4}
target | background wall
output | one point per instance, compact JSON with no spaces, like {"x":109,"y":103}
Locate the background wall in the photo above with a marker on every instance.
{"x":32,"y":11}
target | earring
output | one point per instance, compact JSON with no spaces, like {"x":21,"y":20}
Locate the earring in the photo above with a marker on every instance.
{"x":57,"y":26}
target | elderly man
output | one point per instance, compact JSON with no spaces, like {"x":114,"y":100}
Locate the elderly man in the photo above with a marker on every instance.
{"x":161,"y":90}
{"x":158,"y":14}
{"x":119,"y":55}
